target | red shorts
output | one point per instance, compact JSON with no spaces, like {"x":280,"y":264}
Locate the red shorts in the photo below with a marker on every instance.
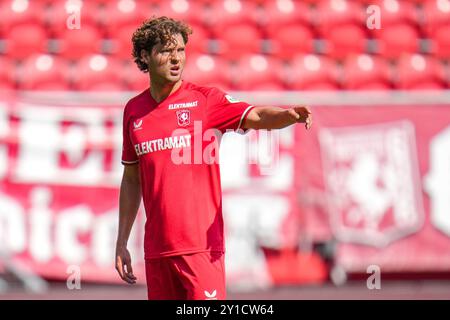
{"x":197,"y":276}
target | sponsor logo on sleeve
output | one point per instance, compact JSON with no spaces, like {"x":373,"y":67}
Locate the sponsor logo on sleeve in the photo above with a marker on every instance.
{"x":231,"y":99}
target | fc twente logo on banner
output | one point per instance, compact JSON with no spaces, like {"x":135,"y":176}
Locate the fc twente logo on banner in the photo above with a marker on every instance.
{"x":371,"y":176}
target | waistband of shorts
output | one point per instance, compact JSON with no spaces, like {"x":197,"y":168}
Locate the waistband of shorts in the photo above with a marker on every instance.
{"x":180,"y":253}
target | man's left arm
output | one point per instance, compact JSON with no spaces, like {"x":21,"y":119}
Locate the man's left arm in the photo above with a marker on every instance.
{"x":277,"y":118}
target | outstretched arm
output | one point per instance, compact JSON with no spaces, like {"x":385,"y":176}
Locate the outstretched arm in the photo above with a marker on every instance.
{"x":277,"y":118}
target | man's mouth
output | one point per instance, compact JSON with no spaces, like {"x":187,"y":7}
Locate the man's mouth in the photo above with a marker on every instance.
{"x":175,"y":71}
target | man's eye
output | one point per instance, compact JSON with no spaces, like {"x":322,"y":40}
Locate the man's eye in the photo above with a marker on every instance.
{"x":181,"y":49}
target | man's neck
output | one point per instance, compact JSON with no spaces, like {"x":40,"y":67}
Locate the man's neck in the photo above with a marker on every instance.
{"x":161,"y":91}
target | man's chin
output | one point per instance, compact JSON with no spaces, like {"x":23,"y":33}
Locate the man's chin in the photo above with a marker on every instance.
{"x":175,"y":74}
{"x":173,"y":77}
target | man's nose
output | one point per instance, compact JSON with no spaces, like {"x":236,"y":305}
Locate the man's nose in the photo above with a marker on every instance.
{"x":175,"y":56}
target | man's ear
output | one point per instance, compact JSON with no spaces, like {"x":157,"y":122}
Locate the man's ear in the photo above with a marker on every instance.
{"x":145,"y":56}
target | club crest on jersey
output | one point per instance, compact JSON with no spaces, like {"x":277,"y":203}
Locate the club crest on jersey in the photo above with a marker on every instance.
{"x":183,"y":117}
{"x":137,"y":125}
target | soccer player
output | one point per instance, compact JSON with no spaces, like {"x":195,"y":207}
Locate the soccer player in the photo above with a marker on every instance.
{"x":184,"y":231}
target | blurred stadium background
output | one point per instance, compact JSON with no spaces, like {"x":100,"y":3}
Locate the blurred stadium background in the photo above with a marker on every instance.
{"x":308,"y":214}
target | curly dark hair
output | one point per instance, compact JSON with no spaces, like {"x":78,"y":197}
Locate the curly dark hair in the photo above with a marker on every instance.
{"x":156,"y":30}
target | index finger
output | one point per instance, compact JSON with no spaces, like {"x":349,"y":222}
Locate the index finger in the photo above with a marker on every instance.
{"x":119,"y":266}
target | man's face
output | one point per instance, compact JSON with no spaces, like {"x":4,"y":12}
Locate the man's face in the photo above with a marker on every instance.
{"x":166,"y":63}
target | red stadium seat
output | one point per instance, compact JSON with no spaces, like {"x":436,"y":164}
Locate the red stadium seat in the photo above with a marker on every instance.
{"x":44,"y":72}
{"x":238,"y":40}
{"x":107,"y":85}
{"x":312,"y":72}
{"x":345,"y":40}
{"x":122,"y":42}
{"x":419,"y":72}
{"x":278,"y":13}
{"x":44,"y":2}
{"x":26,"y":39}
{"x":222,"y":14}
{"x":63,"y":15}
{"x":134,"y":79}
{"x":436,"y":14}
{"x":77,"y":43}
{"x":199,"y":40}
{"x":441,"y":42}
{"x":287,"y":41}
{"x":97,"y":72}
{"x":396,"y":40}
{"x":119,"y":13}
{"x":7,"y":79}
{"x":332,"y":13}
{"x":258,"y":2}
{"x":16,"y":12}
{"x":207,"y":70}
{"x":264,"y":86}
{"x":365,"y":72}
{"x":6,"y":87}
{"x":183,"y":10}
{"x":253,"y":72}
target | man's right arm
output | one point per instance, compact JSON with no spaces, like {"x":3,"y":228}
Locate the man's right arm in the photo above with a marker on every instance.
{"x":129,"y":201}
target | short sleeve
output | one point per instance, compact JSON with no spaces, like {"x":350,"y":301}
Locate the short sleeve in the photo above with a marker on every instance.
{"x":129,"y":155}
{"x":224,"y":112}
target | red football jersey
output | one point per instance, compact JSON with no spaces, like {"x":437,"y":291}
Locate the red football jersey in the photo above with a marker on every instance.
{"x":172,"y":142}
